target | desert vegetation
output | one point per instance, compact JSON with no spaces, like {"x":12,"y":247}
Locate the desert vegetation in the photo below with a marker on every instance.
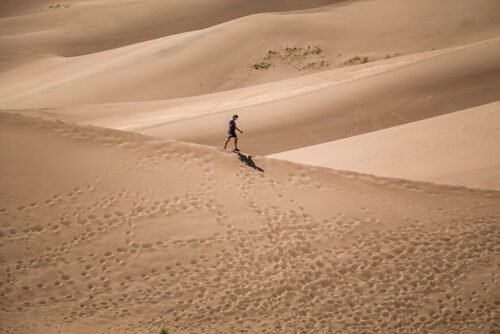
{"x":300,"y":58}
{"x":389,"y":56}
{"x":59,"y":6}
{"x":357,"y":60}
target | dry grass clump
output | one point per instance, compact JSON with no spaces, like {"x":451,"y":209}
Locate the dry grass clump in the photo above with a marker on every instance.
{"x":263,"y":65}
{"x":357,"y":60}
{"x":301,"y":58}
{"x":57,"y":6}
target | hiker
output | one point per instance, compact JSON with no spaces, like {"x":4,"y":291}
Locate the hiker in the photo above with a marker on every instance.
{"x":231,"y":133}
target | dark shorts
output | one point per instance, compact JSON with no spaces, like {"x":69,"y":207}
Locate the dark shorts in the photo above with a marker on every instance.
{"x":231,"y":135}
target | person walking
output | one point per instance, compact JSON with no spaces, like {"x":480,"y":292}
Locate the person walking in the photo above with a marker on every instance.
{"x":231,"y":133}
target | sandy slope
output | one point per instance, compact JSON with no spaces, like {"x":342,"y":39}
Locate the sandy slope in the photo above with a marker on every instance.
{"x":218,"y":57}
{"x":110,"y":232}
{"x":82,"y":26}
{"x":317,"y":108}
{"x":433,"y":86}
{"x":457,"y":148}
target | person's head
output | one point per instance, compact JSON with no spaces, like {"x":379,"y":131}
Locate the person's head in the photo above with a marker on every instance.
{"x":235,"y":117}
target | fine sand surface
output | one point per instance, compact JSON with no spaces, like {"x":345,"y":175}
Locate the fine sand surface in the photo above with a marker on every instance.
{"x":366,"y":199}
{"x":103,"y":231}
{"x":457,"y":148}
{"x":108,"y":24}
{"x":317,"y":108}
{"x":449,"y":82}
{"x":160,"y":62}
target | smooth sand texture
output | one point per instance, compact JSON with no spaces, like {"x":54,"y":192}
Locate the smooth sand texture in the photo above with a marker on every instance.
{"x":457,"y":148}
{"x":110,"y":232}
{"x":319,"y":108}
{"x":435,"y":86}
{"x":102,"y":25}
{"x":216,"y":58}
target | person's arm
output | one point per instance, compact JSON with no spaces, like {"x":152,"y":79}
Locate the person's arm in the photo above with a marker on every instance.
{"x":239,"y":130}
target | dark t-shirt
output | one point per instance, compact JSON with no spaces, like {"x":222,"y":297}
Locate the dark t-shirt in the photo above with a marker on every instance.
{"x":232,"y":126}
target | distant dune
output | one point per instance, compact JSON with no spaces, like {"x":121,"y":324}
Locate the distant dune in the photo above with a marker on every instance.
{"x":219,"y":57}
{"x":324,"y":107}
{"x":114,"y":23}
{"x":434,"y":86}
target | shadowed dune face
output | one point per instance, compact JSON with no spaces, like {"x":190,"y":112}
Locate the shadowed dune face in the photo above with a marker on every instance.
{"x":456,"y":148}
{"x":167,"y":234}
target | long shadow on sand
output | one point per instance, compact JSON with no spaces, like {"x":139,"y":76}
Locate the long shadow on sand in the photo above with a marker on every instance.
{"x":247,"y":160}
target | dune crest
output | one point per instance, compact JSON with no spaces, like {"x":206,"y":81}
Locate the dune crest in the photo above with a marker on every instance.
{"x":456,"y":148}
{"x":105,"y":231}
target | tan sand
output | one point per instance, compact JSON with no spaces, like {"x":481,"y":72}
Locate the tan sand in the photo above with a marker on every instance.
{"x":107,"y":231}
{"x":216,"y":58}
{"x":103,"y":231}
{"x":317,"y":108}
{"x":457,"y":148}
{"x":102,"y":25}
{"x":446,"y":83}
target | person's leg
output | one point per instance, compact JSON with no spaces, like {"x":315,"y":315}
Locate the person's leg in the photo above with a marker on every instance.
{"x":235,"y":143}
{"x":227,"y":141}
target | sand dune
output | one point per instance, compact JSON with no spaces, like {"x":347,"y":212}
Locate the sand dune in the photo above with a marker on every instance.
{"x":104,"y":231}
{"x":82,"y":27}
{"x":108,"y":231}
{"x":317,"y":108}
{"x":219,"y":57}
{"x":438,"y":85}
{"x":457,"y":148}
{"x":134,"y":116}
